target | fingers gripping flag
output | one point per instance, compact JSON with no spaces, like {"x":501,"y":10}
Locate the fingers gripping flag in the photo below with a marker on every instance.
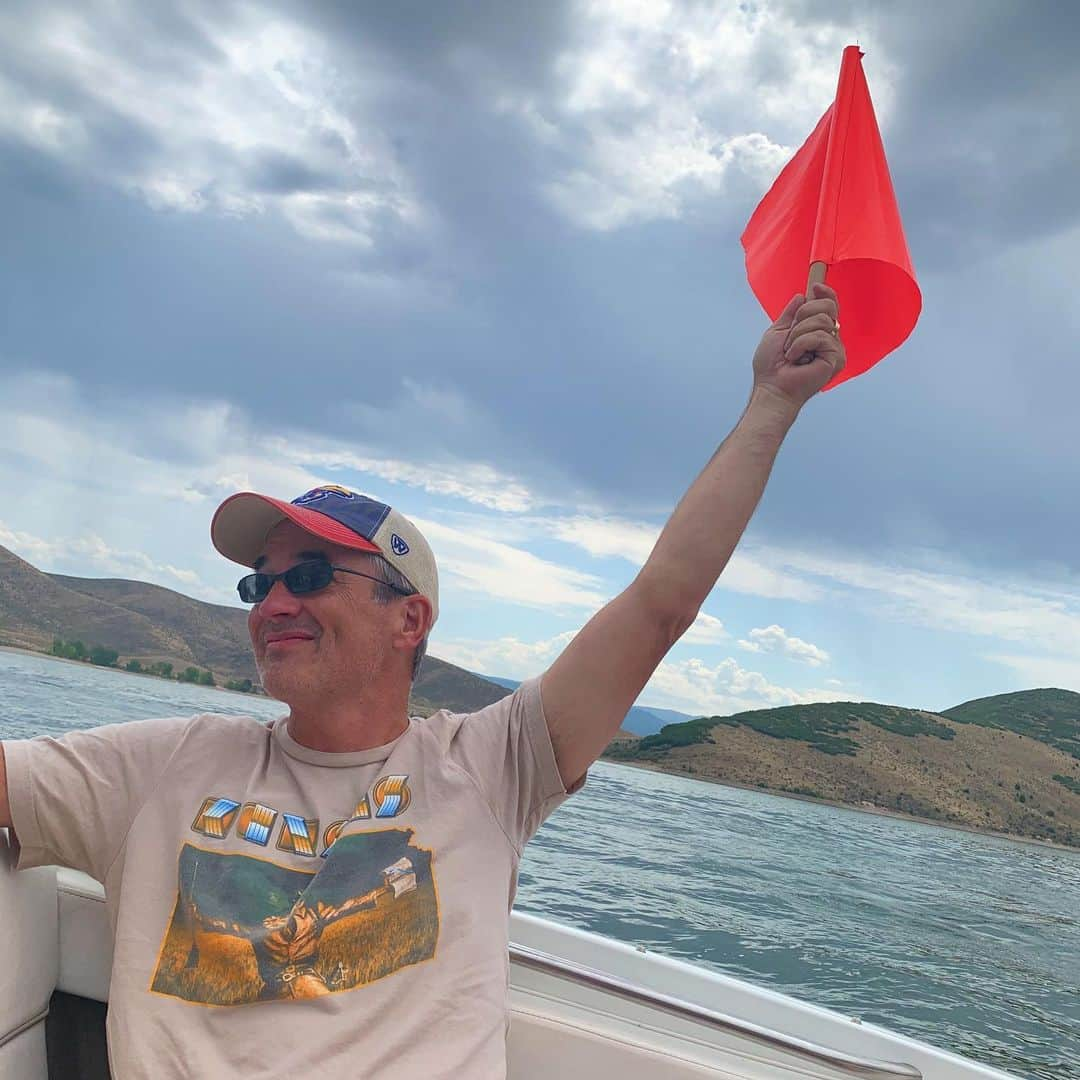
{"x":834,"y":203}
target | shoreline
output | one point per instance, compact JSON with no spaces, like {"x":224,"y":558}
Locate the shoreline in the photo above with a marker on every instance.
{"x":15,"y":649}
{"x":877,"y":811}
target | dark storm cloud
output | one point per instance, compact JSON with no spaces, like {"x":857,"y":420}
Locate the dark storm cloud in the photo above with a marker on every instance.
{"x":611,"y":361}
{"x":985,"y":137}
{"x":130,"y":97}
{"x":442,"y":42}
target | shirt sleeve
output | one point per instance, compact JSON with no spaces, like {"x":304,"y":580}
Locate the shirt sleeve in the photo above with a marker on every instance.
{"x":74,"y":798}
{"x":506,"y":749}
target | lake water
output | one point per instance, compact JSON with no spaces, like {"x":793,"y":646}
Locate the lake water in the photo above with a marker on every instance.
{"x":968,"y":942}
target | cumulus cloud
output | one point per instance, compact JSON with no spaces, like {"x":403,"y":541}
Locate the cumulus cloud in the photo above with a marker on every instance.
{"x":775,"y":639}
{"x":721,"y":689}
{"x":507,"y":657}
{"x":689,"y":685}
{"x":706,"y":630}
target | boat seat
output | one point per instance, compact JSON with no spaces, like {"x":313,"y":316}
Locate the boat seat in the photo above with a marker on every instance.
{"x":85,"y":937}
{"x":29,"y":946}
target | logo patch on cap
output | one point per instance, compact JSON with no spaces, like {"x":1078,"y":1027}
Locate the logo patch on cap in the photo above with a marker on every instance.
{"x":320,"y":493}
{"x":397,"y":545}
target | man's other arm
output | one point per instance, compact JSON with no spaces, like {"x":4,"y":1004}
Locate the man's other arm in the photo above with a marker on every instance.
{"x":591,"y":686}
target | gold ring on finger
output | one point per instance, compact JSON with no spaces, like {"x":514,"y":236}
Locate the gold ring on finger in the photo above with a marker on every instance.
{"x":836,"y":328}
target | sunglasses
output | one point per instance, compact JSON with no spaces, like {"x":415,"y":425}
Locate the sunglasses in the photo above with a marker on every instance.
{"x":301,"y":579}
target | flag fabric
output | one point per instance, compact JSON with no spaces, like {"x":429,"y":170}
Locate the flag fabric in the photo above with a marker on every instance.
{"x":834,"y":203}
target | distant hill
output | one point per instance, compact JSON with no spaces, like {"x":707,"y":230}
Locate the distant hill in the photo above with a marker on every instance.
{"x":640,"y":720}
{"x":150,"y":623}
{"x":509,"y":684}
{"x":34,"y":608}
{"x":1051,"y":716}
{"x":670,"y":716}
{"x":213,"y":635}
{"x":643,"y":721}
{"x":1012,"y":765}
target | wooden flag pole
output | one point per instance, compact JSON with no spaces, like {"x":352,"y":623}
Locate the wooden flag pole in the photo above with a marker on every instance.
{"x":817,"y":273}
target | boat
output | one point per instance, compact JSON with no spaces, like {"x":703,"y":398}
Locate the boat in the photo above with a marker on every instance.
{"x":581,"y":1005}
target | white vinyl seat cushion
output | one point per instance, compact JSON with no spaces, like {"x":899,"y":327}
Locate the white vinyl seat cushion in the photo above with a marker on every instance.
{"x":30,"y":951}
{"x":86,"y":944}
{"x":24,"y":1057}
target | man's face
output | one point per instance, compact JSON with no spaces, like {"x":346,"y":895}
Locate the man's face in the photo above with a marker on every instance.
{"x":335,"y":638}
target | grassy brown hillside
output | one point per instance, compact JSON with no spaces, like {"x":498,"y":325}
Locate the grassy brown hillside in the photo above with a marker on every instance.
{"x":982,"y":779}
{"x":214,"y":636}
{"x":894,"y":759}
{"x":34,"y":609}
{"x":886,"y":757}
{"x":442,"y":685}
{"x":150,"y":623}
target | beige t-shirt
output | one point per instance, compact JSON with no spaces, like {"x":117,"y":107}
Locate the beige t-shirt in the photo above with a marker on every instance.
{"x":278,"y":911}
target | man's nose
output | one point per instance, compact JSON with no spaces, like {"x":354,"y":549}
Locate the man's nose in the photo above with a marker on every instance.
{"x":279,"y":601}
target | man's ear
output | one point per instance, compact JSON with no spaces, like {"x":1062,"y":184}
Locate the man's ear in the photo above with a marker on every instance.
{"x":415,"y":620}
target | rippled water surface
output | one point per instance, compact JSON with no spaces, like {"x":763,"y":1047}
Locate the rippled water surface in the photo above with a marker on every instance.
{"x":969,"y":942}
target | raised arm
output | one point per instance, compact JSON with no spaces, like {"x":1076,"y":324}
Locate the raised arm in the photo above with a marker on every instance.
{"x":590,"y":687}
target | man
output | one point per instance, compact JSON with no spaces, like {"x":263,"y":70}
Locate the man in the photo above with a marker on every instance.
{"x":370,"y":856}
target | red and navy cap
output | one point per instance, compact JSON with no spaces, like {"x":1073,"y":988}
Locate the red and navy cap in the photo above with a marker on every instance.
{"x":243,"y":522}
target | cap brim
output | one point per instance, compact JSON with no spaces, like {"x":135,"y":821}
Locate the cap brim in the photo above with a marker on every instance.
{"x":243,"y":522}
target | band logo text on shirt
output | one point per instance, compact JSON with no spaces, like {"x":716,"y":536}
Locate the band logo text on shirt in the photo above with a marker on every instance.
{"x":255,"y":822}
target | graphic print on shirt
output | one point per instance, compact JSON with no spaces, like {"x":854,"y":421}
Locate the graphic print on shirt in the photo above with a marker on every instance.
{"x":247,"y":929}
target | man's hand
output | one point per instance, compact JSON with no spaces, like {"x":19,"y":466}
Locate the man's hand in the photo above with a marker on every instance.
{"x":802,"y":350}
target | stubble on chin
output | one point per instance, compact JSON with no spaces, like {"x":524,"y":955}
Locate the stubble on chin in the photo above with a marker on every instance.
{"x":278,"y":680}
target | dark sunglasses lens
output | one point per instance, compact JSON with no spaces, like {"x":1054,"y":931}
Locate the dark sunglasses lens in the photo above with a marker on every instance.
{"x":253,"y":588}
{"x":308,"y":577}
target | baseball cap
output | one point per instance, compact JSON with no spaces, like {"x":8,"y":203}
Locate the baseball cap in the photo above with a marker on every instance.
{"x":243,"y":521}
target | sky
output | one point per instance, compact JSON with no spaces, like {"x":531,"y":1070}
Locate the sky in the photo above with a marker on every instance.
{"x":482,"y":261}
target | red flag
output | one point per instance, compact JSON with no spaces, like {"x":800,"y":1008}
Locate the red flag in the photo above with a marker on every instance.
{"x":834,"y":203}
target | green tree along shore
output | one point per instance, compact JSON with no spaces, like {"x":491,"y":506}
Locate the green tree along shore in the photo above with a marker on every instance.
{"x":105,"y":656}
